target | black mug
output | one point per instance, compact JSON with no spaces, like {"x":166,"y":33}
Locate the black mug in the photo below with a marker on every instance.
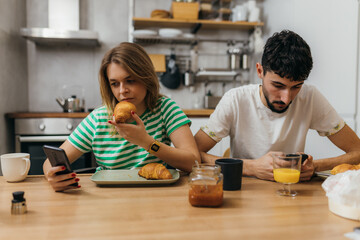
{"x":231,"y":168}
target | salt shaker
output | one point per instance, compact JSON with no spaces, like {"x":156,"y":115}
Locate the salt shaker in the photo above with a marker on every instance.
{"x":18,"y":204}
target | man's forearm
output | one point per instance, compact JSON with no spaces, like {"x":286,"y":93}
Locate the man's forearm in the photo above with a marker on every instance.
{"x":248,"y":166}
{"x":208,"y":158}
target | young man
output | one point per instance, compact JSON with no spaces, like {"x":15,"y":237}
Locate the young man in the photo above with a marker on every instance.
{"x":277,"y":115}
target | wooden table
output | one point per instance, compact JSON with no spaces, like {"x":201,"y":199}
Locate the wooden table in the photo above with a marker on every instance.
{"x":255,"y":212}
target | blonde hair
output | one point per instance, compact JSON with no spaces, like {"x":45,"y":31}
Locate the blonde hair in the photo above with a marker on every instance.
{"x":134,"y":59}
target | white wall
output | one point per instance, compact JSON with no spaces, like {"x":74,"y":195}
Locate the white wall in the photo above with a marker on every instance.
{"x":330,"y":27}
{"x":13,"y":68}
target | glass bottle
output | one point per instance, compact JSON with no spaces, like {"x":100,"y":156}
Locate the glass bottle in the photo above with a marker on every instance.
{"x":206,"y":186}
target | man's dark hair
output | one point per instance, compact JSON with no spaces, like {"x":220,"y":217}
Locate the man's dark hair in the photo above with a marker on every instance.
{"x":287,"y":55}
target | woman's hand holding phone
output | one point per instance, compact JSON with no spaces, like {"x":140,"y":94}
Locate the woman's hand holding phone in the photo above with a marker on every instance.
{"x":60,"y":175}
{"x":62,"y":182}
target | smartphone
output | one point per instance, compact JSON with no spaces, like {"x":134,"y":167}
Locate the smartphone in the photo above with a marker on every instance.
{"x":58,"y":157}
{"x":303,"y":156}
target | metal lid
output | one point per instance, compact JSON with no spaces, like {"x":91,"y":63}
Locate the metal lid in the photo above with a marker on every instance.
{"x":18,"y":197}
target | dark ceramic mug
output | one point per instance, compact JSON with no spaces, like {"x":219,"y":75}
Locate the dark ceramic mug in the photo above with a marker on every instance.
{"x":231,"y":168}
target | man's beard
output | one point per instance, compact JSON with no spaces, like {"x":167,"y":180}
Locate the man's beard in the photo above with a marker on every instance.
{"x":272,"y":107}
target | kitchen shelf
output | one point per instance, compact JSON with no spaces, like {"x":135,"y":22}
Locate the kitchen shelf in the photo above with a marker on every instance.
{"x":222,"y":73}
{"x":156,"y":40}
{"x":47,"y":36}
{"x":206,"y":24}
{"x":182,"y":40}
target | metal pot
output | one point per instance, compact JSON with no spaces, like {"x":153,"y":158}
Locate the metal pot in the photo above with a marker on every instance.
{"x":71,"y":104}
{"x":172,"y":77}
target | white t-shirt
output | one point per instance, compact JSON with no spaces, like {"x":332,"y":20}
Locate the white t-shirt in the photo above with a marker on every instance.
{"x":255,"y":130}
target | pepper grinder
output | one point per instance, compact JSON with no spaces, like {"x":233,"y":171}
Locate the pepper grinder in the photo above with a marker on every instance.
{"x":18,"y":204}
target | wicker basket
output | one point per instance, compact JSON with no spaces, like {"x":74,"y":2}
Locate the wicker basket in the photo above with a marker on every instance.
{"x":185,"y":10}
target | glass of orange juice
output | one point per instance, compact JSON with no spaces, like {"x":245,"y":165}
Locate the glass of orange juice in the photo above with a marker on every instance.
{"x":286,"y":168}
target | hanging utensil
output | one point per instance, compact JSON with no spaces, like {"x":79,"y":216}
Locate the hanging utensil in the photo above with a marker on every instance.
{"x":172,"y":77}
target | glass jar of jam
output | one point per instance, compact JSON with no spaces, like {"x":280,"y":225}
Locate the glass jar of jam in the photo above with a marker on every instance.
{"x":206,"y":186}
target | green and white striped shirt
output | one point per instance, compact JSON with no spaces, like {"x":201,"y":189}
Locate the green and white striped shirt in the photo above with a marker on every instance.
{"x":114,"y":152}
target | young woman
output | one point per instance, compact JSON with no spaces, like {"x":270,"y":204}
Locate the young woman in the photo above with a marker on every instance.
{"x":127,"y":74}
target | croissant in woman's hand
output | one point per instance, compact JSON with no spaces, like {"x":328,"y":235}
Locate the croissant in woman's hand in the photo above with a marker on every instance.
{"x":155,"y":171}
{"x":123,"y":110}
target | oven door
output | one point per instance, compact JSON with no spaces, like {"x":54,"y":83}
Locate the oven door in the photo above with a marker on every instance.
{"x":33,"y":145}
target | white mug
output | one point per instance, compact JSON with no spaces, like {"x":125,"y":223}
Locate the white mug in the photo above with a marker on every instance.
{"x":15,"y":166}
{"x":254,"y":15}
{"x":239,"y":13}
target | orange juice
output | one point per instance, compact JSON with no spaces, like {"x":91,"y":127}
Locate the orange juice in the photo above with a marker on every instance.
{"x":286,"y":175}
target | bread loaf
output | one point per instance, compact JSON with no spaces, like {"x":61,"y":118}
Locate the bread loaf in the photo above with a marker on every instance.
{"x":159,"y":13}
{"x":343,"y":168}
{"x":155,"y":171}
{"x":122,"y":111}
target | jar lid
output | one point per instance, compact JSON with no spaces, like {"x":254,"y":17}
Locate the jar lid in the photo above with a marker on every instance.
{"x":206,"y":167}
{"x":18,"y":197}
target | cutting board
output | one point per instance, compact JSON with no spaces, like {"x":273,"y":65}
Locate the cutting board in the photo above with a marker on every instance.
{"x":158,"y":61}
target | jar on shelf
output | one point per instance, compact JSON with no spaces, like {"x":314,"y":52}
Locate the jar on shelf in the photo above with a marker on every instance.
{"x":225,"y":10}
{"x":206,"y":186}
{"x":208,"y":10}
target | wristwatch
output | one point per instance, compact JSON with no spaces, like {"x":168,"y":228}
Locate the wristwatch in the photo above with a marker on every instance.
{"x":154,"y":147}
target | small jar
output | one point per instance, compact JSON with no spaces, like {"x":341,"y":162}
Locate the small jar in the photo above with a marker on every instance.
{"x":206,"y":186}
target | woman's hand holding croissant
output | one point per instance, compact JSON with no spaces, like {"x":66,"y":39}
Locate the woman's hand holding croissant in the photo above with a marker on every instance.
{"x":136,"y":134}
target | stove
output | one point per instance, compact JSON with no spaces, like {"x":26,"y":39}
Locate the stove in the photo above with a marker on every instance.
{"x":32,"y":133}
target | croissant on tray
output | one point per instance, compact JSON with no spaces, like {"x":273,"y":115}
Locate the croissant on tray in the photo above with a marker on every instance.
{"x":343,"y":168}
{"x":155,"y":171}
{"x":123,"y":110}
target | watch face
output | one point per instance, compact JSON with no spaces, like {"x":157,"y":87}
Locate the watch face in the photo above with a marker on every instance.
{"x":155,"y":147}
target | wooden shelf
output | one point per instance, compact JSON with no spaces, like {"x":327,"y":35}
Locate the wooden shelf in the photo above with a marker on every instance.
{"x":206,"y":24}
{"x":182,"y":40}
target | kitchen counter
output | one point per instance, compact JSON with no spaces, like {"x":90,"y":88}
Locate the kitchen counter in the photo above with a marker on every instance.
{"x":204,"y":113}
{"x":163,"y":212}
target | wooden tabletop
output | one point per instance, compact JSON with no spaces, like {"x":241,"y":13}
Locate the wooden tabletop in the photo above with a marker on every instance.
{"x":255,"y":212}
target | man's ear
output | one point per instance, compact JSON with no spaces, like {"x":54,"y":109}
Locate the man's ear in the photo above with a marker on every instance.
{"x":259,"y":70}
